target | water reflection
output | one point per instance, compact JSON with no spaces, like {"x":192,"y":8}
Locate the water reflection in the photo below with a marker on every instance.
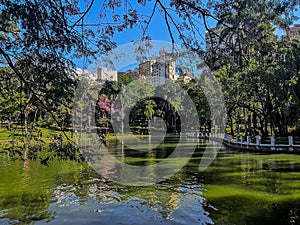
{"x":238,"y":188}
{"x":254,"y":189}
{"x":97,"y":202}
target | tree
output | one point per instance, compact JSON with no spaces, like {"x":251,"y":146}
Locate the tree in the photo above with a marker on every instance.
{"x":201,"y":103}
{"x":149,"y":111}
{"x":47,"y":34}
{"x":249,"y":67}
{"x":37,"y":40}
{"x":10,"y":97}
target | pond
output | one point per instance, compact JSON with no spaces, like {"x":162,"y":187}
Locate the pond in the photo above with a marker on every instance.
{"x":237,"y":188}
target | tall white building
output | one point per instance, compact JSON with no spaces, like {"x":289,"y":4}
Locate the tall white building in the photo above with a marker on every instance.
{"x":104,"y":74}
{"x":156,"y":71}
{"x":146,"y":69}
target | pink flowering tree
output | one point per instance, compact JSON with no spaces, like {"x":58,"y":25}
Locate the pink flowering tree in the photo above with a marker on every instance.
{"x":105,"y":104}
{"x":105,"y":109}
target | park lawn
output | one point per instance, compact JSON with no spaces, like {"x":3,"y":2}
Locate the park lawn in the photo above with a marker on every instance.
{"x":48,"y":134}
{"x":4,"y":134}
{"x":114,"y":136}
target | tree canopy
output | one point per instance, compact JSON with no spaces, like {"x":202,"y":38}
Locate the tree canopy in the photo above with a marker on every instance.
{"x":41,"y":38}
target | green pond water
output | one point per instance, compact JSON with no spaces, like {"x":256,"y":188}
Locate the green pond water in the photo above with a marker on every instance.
{"x":237,"y":188}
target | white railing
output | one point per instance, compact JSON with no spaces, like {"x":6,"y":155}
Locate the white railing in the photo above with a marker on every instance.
{"x":246,"y":142}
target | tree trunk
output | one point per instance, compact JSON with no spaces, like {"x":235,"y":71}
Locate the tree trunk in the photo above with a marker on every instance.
{"x":231,"y":126}
{"x":33,"y":123}
{"x":9,"y":123}
{"x":245,"y":122}
{"x":122,"y":115}
{"x":26,"y":124}
{"x":149,"y":126}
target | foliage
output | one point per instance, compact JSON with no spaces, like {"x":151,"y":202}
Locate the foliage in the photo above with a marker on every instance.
{"x":258,"y":71}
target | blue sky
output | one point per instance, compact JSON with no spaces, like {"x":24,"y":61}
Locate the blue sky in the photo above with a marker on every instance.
{"x":157,"y":29}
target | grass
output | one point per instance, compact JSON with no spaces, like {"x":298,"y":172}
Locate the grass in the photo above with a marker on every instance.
{"x":4,"y":135}
{"x":129,"y":136}
{"x":16,"y":138}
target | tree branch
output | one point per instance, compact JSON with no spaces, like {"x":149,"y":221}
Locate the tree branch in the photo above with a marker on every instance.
{"x":167,"y":15}
{"x":84,"y":14}
{"x":22,"y":79}
{"x":151,"y":16}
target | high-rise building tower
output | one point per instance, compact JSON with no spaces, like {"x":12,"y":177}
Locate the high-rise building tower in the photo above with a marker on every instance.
{"x":295,"y":32}
{"x":156,"y":71}
{"x":104,"y":74}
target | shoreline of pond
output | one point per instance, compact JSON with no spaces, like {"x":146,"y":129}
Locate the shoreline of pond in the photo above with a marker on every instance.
{"x":242,"y":143}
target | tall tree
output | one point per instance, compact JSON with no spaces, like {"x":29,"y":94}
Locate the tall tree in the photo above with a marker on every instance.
{"x":249,"y":64}
{"x":149,"y":111}
{"x":47,"y":34}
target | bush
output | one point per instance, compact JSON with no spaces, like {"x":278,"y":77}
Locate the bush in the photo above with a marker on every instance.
{"x":46,"y":122}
